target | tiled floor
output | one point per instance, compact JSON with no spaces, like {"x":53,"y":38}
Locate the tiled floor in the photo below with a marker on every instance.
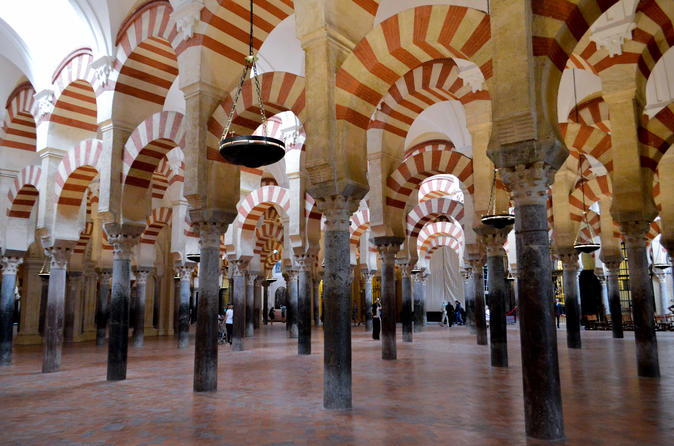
{"x":441,"y":390}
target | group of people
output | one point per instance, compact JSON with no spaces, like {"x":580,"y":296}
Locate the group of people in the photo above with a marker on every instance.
{"x":453,"y":314}
{"x":225,"y":325}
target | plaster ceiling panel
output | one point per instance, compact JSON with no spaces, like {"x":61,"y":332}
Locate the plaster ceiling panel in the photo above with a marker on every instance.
{"x":586,"y":84}
{"x":281,"y":50}
{"x":175,"y":98}
{"x":447,"y":118}
{"x":660,"y":86}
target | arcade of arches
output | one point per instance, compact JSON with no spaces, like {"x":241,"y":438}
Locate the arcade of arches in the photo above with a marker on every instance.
{"x":405,"y":122}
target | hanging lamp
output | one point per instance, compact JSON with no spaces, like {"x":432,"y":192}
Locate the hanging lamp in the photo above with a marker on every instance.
{"x":194,"y":257}
{"x":250,"y":150}
{"x":578,"y":244}
{"x":494,"y":219}
{"x":45,"y":271}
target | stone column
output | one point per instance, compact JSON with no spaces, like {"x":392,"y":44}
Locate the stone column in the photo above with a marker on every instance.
{"x":90,"y":301}
{"x":388,"y":247}
{"x":30,"y":303}
{"x":102,"y":311}
{"x":73,"y":299}
{"x":538,"y":335}
{"x":407,"y":314}
{"x":53,"y":324}
{"x":176,"y":303}
{"x":238,"y":268}
{"x":613,"y":268}
{"x":493,"y":240}
{"x":317,"y":299}
{"x":250,"y":304}
{"x":305,"y":264}
{"x":10,"y":266}
{"x":642,"y":298}
{"x":185,"y":272}
{"x":291,"y":307}
{"x":337,"y":211}
{"x":206,"y":339}
{"x":257,"y":303}
{"x":418,"y":311}
{"x":604,"y":292}
{"x":661,"y":277}
{"x":478,"y":292}
{"x":141,"y":293}
{"x":122,"y":240}
{"x":466,"y":273}
{"x":571,"y":269}
{"x":265,"y":302}
{"x":44,"y":293}
{"x":367,"y":277}
{"x":156,"y":282}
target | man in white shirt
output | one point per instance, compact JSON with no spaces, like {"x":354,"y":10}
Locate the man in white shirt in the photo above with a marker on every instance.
{"x":229,"y":321}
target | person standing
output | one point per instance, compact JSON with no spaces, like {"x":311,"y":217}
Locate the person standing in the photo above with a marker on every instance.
{"x":376,"y":319}
{"x":558,"y":311}
{"x":449,"y":309}
{"x":229,"y":321}
{"x":459,"y":315}
{"x":445,"y":318}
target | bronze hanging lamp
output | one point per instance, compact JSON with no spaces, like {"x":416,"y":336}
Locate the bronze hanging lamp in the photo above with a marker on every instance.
{"x":194,"y":257}
{"x":579,"y":245}
{"x":250,"y":150}
{"x":494,"y":219}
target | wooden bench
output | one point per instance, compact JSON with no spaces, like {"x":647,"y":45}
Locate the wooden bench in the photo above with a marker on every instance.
{"x":662,"y":324}
{"x":628,"y":323}
{"x":591,"y":322}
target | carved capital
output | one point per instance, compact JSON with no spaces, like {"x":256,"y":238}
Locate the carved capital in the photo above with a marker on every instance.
{"x":291,"y":274}
{"x":238,"y":267}
{"x":569,"y":260}
{"x":337,"y":210}
{"x":142,"y":274}
{"x":388,"y":247}
{"x":367,"y":275}
{"x":59,"y":256}
{"x":405,"y":268}
{"x":10,"y":265}
{"x":45,"y":101}
{"x":252,"y":278}
{"x":635,"y":232}
{"x":123,"y":238}
{"x":529,"y":184}
{"x":209,"y":233}
{"x":493,"y":239}
{"x":185,"y":270}
{"x":104,"y":275}
{"x":103,"y":67}
{"x":467,"y":272}
{"x":305,"y":262}
{"x":187,"y":18}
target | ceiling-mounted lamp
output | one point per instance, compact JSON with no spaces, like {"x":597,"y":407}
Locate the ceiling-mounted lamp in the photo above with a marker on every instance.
{"x":578,"y":245}
{"x":250,"y":150}
{"x":492,"y":218}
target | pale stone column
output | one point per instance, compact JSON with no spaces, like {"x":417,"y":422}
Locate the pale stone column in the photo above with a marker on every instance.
{"x":102,"y":310}
{"x":388,"y":247}
{"x":250,"y":304}
{"x":305,"y":264}
{"x":466,"y":273}
{"x":30,"y":303}
{"x":257,"y":303}
{"x":604,"y":292}
{"x":419,"y":296}
{"x":661,"y":303}
{"x":367,"y":277}
{"x":613,"y":268}
{"x":10,"y":266}
{"x":185,"y":272}
{"x":571,"y":269}
{"x":291,"y":307}
{"x":642,"y":298}
{"x":122,"y":238}
{"x":407,"y":313}
{"x":477,"y":263}
{"x":44,"y":293}
{"x":90,"y":302}
{"x":73,"y":301}
{"x":493,"y":240}
{"x":317,"y":299}
{"x":538,"y":335}
{"x":53,"y":328}
{"x":238,"y":269}
{"x":141,"y":294}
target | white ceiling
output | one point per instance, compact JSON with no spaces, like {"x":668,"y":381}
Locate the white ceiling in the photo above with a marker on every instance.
{"x":447,"y":118}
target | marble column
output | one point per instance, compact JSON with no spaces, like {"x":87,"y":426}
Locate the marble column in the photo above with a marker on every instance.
{"x":604,"y":291}
{"x":571,"y":269}
{"x":367,"y":277}
{"x":206,"y":339}
{"x":238,"y":269}
{"x":250,"y":304}
{"x":122,"y":240}
{"x":73,"y":299}
{"x":141,"y":293}
{"x":661,"y":277}
{"x":156,"y":282}
{"x":317,"y":299}
{"x":257,"y":303}
{"x":337,"y":211}
{"x":44,"y":293}
{"x":10,"y":266}
{"x":30,"y":302}
{"x":176,"y":303}
{"x":613,"y":269}
{"x":305,"y":264}
{"x":476,"y":264}
{"x":53,"y":326}
{"x":642,"y":298}
{"x":418,"y":311}
{"x":388,"y":247}
{"x":102,"y":310}
{"x":185,"y":272}
{"x":406,"y":315}
{"x":265,"y":302}
{"x":291,"y":307}
{"x":469,"y":296}
{"x":538,"y":335}
{"x":493,"y":239}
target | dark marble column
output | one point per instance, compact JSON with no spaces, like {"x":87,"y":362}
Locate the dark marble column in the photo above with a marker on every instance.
{"x":569,"y":258}
{"x":305,"y":265}
{"x":538,"y":335}
{"x":185,"y":272}
{"x":469,"y":297}
{"x":406,"y":315}
{"x":155,"y":302}
{"x":122,"y":239}
{"x":388,"y":247}
{"x":250,"y":304}
{"x":257,"y":304}
{"x":10,"y":266}
{"x":418,"y":308}
{"x":477,"y":262}
{"x":238,"y":269}
{"x":141,"y":292}
{"x":44,"y":293}
{"x":265,"y":302}
{"x":613,"y":268}
{"x":367,"y":277}
{"x":176,"y":303}
{"x":102,"y":311}
{"x":493,"y":239}
{"x":648,"y":364}
{"x":53,"y":329}
{"x":291,"y":308}
{"x":337,"y":211}
{"x":206,"y":339}
{"x":317,"y":298}
{"x":73,"y":297}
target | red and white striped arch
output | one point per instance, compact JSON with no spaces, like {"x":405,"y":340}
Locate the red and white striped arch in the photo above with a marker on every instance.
{"x":430,"y":210}
{"x":19,"y":123}
{"x":436,"y":187}
{"x":85,"y":236}
{"x":74,"y":93}
{"x":159,"y":218}
{"x":146,"y":63}
{"x":577,"y":61}
{"x":589,"y":140}
{"x":148,"y":145}
{"x":431,"y":82}
{"x":595,"y":189}
{"x":257,"y":202}
{"x":76,"y":170}
{"x":280,"y":92}
{"x":439,"y":242}
{"x":360,"y":222}
{"x":402,"y":43}
{"x":432,"y":230}
{"x":414,"y":170}
{"x":656,"y":137}
{"x":592,"y":112}
{"x":24,"y":192}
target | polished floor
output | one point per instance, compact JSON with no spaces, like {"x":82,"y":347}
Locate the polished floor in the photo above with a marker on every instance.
{"x":441,"y":390}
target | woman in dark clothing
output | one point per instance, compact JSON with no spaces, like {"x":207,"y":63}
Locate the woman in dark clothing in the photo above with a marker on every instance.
{"x":451,"y":314}
{"x":376,"y":321}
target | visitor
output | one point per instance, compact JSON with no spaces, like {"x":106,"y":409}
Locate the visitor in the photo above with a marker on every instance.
{"x":486,"y":314}
{"x":558,"y":311}
{"x":459,"y":313}
{"x":376,"y":319}
{"x":229,"y":322}
{"x":445,"y":318}
{"x":449,"y":309}
{"x":354,"y":316}
{"x":271,"y":316}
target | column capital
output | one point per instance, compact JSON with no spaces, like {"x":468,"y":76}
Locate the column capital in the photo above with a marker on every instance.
{"x":367,"y":275}
{"x":10,"y":265}
{"x":292,"y":274}
{"x":569,"y":258}
{"x":529,"y":184}
{"x":59,"y":256}
{"x":634,"y":231}
{"x":421,"y":278}
{"x":238,"y":267}
{"x":142,"y":275}
{"x":305,"y":262}
{"x":467,"y":272}
{"x":612,"y":264}
{"x":104,"y":274}
{"x":252,"y":278}
{"x":388,"y":247}
{"x":405,"y":267}
{"x":476,"y":262}
{"x":209,"y":233}
{"x":185,"y":270}
{"x":493,"y":239}
{"x":123,"y":237}
{"x":337,"y":210}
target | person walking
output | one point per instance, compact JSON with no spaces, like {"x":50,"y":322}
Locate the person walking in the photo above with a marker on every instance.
{"x":376,"y":319}
{"x":459,"y":313}
{"x":271,"y":316}
{"x":558,"y":311}
{"x":445,"y":318}
{"x":449,"y":309}
{"x":229,"y":322}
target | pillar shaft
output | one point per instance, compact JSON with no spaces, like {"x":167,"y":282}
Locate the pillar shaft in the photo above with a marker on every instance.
{"x":407,"y":315}
{"x":497,"y":309}
{"x":73,"y":299}
{"x":478,"y":293}
{"x":388,"y":248}
{"x":265,"y":302}
{"x":291,"y":308}
{"x":304,"y":308}
{"x":470,"y":299}
{"x":317,"y":300}
{"x":44,"y":293}
{"x":250,"y":304}
{"x":53,"y":329}
{"x":257,"y":304}
{"x":141,"y":293}
{"x":102,"y":310}
{"x":571,"y":298}
{"x":10,"y":266}
{"x":418,"y":298}
{"x":367,"y":275}
{"x":239,"y":301}
{"x":185,"y":272}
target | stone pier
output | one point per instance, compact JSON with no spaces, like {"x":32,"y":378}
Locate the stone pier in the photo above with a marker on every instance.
{"x":10,"y":266}
{"x":257,"y":303}
{"x":185,"y":272}
{"x":291,"y":307}
{"x":476,"y":263}
{"x":73,"y":299}
{"x":141,"y":292}
{"x":59,"y":255}
{"x":305,"y":265}
{"x":569,"y":258}
{"x":250,"y":304}
{"x":418,"y":302}
{"x":469,"y":296}
{"x":238,"y":269}
{"x":367,"y":277}
{"x":102,"y":310}
{"x":388,"y":247}
{"x":407,"y":314}
{"x":265,"y":301}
